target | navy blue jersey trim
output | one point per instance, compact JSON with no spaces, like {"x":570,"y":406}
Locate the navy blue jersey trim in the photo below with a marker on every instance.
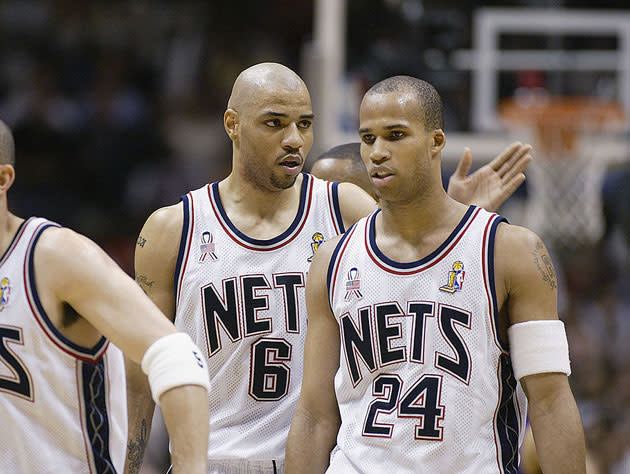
{"x":507,"y":420}
{"x":337,"y":208}
{"x":89,"y":351}
{"x":491,"y":279}
{"x":94,"y":396}
{"x":13,"y":241}
{"x":422,"y":261}
{"x":306,"y":180}
{"x":182,"y":244}
{"x":333,"y":260}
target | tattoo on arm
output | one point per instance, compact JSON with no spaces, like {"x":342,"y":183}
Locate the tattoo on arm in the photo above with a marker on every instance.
{"x":141,"y":241}
{"x":135,"y":450}
{"x":143,"y":280}
{"x":544,"y":265}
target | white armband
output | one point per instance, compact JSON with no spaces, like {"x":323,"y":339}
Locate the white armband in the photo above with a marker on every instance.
{"x":538,"y":347}
{"x":172,"y":361}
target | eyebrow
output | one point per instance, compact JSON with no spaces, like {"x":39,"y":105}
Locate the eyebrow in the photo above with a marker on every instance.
{"x":388,"y":127}
{"x":271,"y":113}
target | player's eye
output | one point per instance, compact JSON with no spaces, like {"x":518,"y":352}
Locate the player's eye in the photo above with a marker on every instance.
{"x":368,"y":138}
{"x":273,"y":122}
{"x":305,"y":124}
{"x":396,"y":134}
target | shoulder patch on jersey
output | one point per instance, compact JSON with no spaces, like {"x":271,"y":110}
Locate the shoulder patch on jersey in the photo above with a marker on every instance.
{"x":455,"y":278}
{"x":353,"y":285}
{"x":5,"y":292}
{"x":318,"y":239}
{"x":207,"y":247}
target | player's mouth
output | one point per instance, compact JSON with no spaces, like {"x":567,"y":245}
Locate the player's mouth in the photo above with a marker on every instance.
{"x":292,"y":163}
{"x":381,"y":175}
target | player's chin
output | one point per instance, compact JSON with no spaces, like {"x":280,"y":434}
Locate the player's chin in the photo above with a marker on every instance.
{"x":283,"y":182}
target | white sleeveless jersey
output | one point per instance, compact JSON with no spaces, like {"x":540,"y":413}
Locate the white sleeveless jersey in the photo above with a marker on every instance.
{"x":242,"y":302}
{"x":425,"y":383}
{"x":62,"y":406}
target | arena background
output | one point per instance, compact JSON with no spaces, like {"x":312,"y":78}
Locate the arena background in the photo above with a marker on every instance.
{"x":117,"y":110}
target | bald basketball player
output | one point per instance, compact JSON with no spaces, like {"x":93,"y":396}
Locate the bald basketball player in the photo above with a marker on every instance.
{"x":62,"y":385}
{"x":228,"y":264}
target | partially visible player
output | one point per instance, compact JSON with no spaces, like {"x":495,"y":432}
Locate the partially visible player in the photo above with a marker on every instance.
{"x":62,"y":383}
{"x":228,"y":264}
{"x":493,"y":183}
{"x":429,"y":322}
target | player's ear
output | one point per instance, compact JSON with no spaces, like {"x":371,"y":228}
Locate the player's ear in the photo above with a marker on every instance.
{"x":438,"y":140}
{"x":7,"y":176}
{"x":231,"y":123}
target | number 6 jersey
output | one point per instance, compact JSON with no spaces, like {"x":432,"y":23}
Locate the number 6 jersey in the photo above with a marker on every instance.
{"x":242,"y":302}
{"x":425,"y":383}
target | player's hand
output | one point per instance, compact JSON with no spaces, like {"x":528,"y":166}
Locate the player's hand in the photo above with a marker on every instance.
{"x":493,"y":183}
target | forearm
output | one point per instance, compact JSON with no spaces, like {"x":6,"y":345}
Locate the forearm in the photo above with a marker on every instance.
{"x":140,"y":408}
{"x":558,"y":435}
{"x":309,"y":445}
{"x":185,"y":411}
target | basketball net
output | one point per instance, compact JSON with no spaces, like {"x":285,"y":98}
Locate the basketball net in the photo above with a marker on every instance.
{"x":564,"y":204}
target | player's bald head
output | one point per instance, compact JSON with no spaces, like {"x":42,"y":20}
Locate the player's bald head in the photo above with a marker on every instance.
{"x":257,"y":83}
{"x":7,"y":146}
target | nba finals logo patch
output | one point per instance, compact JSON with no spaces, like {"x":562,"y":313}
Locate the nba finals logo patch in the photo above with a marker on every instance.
{"x":455,"y":278}
{"x":353,"y":285}
{"x":318,"y":239}
{"x":207,"y":247}
{"x":5,"y":292}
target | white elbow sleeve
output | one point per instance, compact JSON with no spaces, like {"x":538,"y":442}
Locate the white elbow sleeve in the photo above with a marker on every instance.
{"x":172,"y":361}
{"x":538,"y":347}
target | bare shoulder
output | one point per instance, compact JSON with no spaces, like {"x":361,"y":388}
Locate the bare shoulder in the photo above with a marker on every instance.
{"x":525,"y":268}
{"x":518,"y":248}
{"x":354,"y":202}
{"x":165,"y":223}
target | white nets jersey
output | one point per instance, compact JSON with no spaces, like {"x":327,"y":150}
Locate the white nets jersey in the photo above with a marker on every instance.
{"x":62,"y":405}
{"x":425,"y":383}
{"x":242,"y":302}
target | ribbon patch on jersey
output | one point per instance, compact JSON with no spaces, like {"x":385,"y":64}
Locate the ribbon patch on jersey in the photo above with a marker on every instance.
{"x":5,"y":292}
{"x":318,"y":239}
{"x":353,"y":285}
{"x":455,"y":278}
{"x":207,"y":247}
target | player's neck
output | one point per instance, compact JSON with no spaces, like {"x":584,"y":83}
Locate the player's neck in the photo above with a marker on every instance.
{"x":257,"y":213}
{"x":9,"y":225}
{"x":418,"y":221}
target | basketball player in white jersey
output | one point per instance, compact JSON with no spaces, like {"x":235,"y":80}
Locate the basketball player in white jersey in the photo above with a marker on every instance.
{"x":62,"y":384}
{"x":428,"y":320}
{"x":229,"y":265}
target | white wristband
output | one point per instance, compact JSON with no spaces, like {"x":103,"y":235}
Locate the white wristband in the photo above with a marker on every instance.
{"x":538,"y":347}
{"x":172,"y":361}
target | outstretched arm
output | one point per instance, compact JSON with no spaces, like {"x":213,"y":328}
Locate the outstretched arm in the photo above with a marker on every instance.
{"x":72,"y":269}
{"x":493,"y":183}
{"x":316,"y":421}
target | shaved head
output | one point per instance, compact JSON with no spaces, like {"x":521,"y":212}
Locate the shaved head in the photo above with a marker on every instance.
{"x":253,"y":85}
{"x":7,"y":146}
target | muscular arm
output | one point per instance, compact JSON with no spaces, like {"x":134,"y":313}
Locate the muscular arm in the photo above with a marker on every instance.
{"x":530,"y":293}
{"x":316,"y":421}
{"x":73,"y":270}
{"x":155,"y":259}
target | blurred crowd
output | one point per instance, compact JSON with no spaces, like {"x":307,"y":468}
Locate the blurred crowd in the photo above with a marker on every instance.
{"x":117,"y":109}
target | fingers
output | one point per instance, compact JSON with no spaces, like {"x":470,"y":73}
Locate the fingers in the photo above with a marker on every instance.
{"x":514,"y":151}
{"x":514,"y":160}
{"x":514,"y":168}
{"x":465,"y":162}
{"x":512,"y":185}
